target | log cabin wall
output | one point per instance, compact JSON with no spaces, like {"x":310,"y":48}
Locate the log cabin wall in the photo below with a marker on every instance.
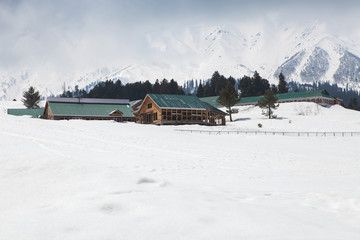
{"x":149,"y":112}
{"x":190,"y":116}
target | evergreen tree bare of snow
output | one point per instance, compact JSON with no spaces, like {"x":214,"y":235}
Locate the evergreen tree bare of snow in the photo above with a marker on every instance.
{"x":253,"y":86}
{"x":229,"y":97}
{"x":268,"y":103}
{"x":274,"y":88}
{"x":282,"y":84}
{"x":31,"y":98}
{"x":200,"y":91}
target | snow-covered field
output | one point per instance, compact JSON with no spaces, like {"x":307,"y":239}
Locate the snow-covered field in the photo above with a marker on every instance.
{"x":106,"y":180}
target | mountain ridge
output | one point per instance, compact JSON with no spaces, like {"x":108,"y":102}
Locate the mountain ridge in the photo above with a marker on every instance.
{"x":303,"y":55}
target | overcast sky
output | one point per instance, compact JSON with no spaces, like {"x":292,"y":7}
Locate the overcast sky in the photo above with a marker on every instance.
{"x":80,"y":34}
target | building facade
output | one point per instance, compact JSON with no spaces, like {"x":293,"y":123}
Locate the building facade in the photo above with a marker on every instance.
{"x":178,"y":109}
{"x":88,"y":109}
{"x":321,"y":97}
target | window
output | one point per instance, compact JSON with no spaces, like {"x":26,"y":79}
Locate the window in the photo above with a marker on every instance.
{"x":155,"y":116}
{"x":150,"y":105}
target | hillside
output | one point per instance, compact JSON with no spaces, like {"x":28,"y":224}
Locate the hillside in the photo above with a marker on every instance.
{"x":106,"y":180}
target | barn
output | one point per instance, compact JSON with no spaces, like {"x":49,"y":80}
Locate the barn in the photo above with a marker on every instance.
{"x":178,"y":109}
{"x":88,"y":109}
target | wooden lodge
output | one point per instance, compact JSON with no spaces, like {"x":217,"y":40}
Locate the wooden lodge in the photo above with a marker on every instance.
{"x":177,"y":109}
{"x":88,"y":109}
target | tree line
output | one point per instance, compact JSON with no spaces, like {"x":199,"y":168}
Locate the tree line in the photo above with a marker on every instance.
{"x":132,"y":91}
{"x":247,"y":86}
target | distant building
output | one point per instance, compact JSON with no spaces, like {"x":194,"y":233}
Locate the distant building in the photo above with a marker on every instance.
{"x":178,"y":109}
{"x":88,"y":109}
{"x":321,"y":97}
{"x":33,"y":112}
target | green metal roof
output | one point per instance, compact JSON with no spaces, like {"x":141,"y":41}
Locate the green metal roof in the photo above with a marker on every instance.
{"x":283,"y":96}
{"x":88,"y":109}
{"x":318,"y":93}
{"x":33,"y":112}
{"x":211,"y":100}
{"x":182,"y":102}
{"x":250,"y":99}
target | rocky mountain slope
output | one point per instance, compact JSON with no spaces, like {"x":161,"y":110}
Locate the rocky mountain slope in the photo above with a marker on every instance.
{"x":303,"y":55}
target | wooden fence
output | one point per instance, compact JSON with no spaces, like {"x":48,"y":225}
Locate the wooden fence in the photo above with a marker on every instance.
{"x":272,"y":133}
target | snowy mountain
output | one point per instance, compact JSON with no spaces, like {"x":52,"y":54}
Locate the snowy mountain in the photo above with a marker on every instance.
{"x":195,"y":52}
{"x":327,"y":60}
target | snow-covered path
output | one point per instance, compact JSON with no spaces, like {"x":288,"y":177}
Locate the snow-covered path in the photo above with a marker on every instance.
{"x":106,"y":180}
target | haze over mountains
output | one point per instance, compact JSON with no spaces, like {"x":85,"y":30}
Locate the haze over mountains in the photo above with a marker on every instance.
{"x":304,"y":55}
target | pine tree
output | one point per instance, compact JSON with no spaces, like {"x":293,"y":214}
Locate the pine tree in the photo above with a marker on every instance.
{"x":274,"y":88}
{"x":77,"y":91}
{"x":173,"y":87}
{"x":207,"y":90}
{"x":232,"y":80}
{"x":31,"y":98}
{"x":245,"y":86}
{"x":156,"y":87}
{"x":267,"y":103}
{"x":214,"y":81}
{"x":228,"y":97}
{"x":282,"y":84}
{"x":200,"y":91}
{"x":257,"y":86}
{"x":253,"y":86}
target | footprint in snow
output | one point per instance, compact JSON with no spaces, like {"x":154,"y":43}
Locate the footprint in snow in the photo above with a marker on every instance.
{"x":145,"y":180}
{"x":152,"y":181}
